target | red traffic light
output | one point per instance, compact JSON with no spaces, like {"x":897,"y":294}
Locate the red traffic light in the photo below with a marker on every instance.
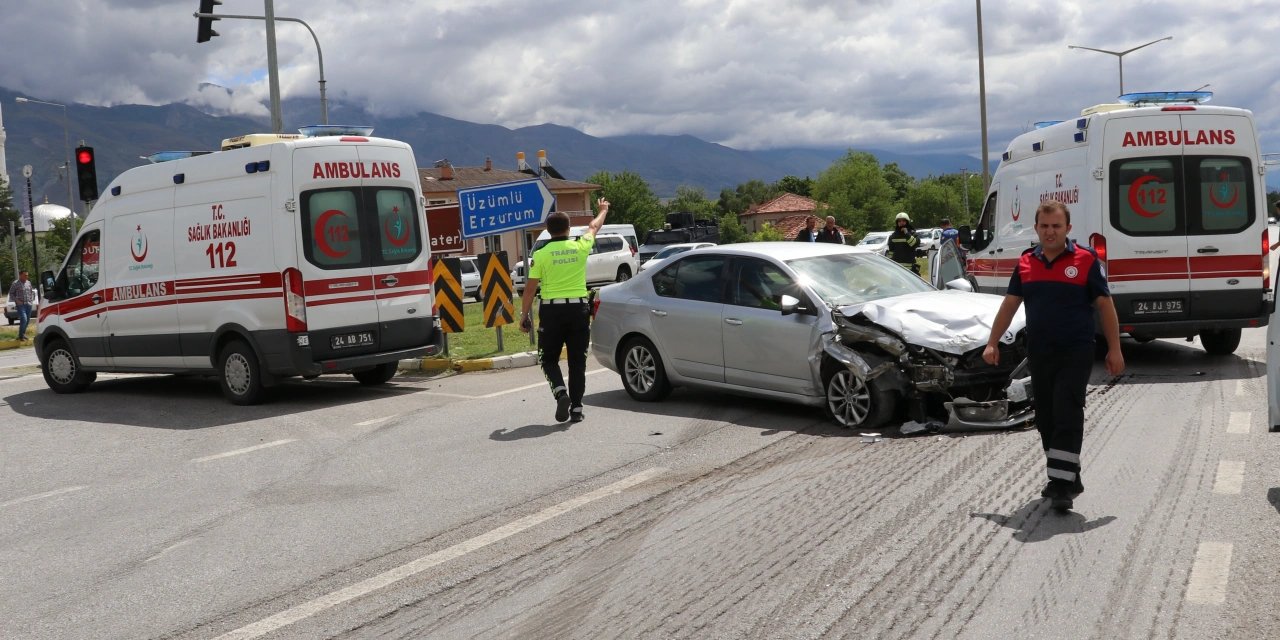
{"x":84,"y":156}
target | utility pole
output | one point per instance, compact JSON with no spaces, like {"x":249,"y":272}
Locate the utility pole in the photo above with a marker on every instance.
{"x":964,"y":175}
{"x":982,"y":99}
{"x":273,"y":73}
{"x":31,"y":209}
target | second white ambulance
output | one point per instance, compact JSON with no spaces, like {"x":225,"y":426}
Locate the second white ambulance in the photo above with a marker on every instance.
{"x":1170,"y":193}
{"x":296,"y":257}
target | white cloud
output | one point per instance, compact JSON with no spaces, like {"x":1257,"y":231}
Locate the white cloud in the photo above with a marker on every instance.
{"x":747,"y":73}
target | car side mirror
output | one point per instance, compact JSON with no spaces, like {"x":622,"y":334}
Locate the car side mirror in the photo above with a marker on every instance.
{"x":960,"y":284}
{"x":50,"y":286}
{"x":789,"y":304}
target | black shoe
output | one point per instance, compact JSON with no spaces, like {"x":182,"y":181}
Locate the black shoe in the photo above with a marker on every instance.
{"x":1047,"y":491}
{"x":562,"y":408}
{"x":1061,"y":504}
{"x":575,"y":414}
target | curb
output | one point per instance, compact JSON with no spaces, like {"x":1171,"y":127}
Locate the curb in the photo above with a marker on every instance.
{"x":440,"y":365}
{"x":6,"y":345}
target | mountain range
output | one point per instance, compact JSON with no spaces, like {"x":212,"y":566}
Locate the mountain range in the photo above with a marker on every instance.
{"x":123,"y":135}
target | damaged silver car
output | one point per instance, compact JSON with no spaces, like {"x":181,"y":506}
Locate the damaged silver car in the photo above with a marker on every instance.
{"x":818,"y":324}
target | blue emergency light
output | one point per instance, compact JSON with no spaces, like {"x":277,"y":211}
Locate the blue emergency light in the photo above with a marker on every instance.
{"x":320,"y":130}
{"x":1163,"y":97}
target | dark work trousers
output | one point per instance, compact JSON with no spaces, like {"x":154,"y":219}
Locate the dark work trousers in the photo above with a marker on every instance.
{"x":1059,"y":381}
{"x":559,"y":326}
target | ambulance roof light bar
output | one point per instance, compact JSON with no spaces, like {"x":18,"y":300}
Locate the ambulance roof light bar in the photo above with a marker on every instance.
{"x":256,"y":139}
{"x":319,"y":130}
{"x":166,"y":156}
{"x":1165,"y":97}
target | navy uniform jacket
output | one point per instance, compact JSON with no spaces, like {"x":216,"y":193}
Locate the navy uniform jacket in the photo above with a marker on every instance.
{"x":1059,"y":297}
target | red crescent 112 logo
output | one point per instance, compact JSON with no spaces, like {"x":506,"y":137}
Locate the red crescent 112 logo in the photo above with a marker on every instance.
{"x":323,"y":234}
{"x":139,"y":247}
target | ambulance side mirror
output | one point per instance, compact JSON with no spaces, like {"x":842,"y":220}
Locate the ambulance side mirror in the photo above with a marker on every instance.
{"x":50,"y":289}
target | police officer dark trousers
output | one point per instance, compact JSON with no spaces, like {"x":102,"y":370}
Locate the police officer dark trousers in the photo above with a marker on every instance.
{"x":1062,"y":284}
{"x":558,"y":276}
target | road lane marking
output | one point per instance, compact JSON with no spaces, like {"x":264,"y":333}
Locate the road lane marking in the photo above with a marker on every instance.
{"x":1209,"y":573}
{"x":1239,"y":422}
{"x":500,"y":393}
{"x":374,"y":421}
{"x":392,"y":576}
{"x":1230,"y":478}
{"x":41,"y":496}
{"x":244,"y":450}
{"x":1240,"y":388}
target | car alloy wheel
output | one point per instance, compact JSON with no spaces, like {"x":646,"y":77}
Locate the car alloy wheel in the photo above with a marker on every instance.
{"x":640,"y":369}
{"x":848,"y":398}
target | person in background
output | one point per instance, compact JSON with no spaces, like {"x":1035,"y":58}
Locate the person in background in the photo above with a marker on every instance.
{"x":22,"y":295}
{"x":949,"y":232}
{"x":903,"y":243}
{"x":810,"y":231}
{"x":831,"y":233}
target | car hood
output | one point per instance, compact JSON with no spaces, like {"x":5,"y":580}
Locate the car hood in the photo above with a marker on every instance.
{"x":955,"y":322}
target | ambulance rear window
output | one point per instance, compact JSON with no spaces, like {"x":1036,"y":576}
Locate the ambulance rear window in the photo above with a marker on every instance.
{"x":331,"y":228}
{"x":398,"y":219}
{"x":1144,"y":197}
{"x":1222,"y":188}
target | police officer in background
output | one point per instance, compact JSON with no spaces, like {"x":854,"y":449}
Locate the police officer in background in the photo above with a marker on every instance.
{"x":558,"y":276}
{"x":903,"y":243}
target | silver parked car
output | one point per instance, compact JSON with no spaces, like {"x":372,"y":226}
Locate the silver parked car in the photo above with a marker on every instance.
{"x":818,"y":324}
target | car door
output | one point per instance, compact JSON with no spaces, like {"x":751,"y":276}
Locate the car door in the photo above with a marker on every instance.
{"x":764,"y":349}
{"x":945,"y":266}
{"x":686,"y":315}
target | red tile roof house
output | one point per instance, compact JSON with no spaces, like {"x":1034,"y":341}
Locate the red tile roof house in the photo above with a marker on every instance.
{"x":787,"y":213}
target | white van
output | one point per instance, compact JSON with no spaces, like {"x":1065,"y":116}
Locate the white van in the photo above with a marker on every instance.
{"x":1167,"y":190}
{"x":299,"y":257}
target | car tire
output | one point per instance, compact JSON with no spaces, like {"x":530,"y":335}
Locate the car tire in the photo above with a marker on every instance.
{"x":377,"y":375}
{"x":478,"y":297}
{"x":643,"y":374}
{"x":855,"y":403}
{"x":240,"y":374}
{"x":624,"y":274}
{"x":1220,"y":342}
{"x":62,"y":371}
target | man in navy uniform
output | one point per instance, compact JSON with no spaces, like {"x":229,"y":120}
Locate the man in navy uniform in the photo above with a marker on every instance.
{"x":1062,"y":284}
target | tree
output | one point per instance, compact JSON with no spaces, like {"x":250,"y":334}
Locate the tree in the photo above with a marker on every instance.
{"x":799,"y":186}
{"x":692,"y":200}
{"x":746,"y":194}
{"x":928,"y":201}
{"x":856,"y":192}
{"x":7,"y":211}
{"x":631,"y":200}
{"x":898,"y":180}
{"x":731,"y":230}
{"x":966,"y":212}
{"x":767,"y":233}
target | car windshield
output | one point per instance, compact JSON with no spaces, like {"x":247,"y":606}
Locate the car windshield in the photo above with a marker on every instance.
{"x":876,"y":239}
{"x":670,"y":251}
{"x":854,"y":278}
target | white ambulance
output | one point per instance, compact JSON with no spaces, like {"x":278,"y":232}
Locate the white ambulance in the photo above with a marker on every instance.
{"x":1170,"y":193}
{"x":292,"y":256}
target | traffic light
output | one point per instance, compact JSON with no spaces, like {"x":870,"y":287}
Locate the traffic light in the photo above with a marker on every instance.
{"x":86,"y":173}
{"x":204,"y":26}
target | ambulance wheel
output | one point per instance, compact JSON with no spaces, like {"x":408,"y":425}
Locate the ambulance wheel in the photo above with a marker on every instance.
{"x":1220,"y":342}
{"x":624,"y":274}
{"x":240,"y":374}
{"x":643,"y":375}
{"x":377,"y":375}
{"x":855,"y":403}
{"x":62,"y":370}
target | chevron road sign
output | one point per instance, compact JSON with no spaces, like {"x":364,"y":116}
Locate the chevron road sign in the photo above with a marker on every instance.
{"x":495,"y":284}
{"x":446,"y":281}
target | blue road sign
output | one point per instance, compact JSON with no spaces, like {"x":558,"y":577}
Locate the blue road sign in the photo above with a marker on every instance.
{"x":504,"y":207}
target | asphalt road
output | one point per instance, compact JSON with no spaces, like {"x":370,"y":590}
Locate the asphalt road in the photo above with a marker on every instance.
{"x":451,"y":508}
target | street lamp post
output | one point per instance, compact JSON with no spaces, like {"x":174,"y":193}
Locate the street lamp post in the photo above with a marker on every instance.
{"x":66,"y":145}
{"x":982,"y":100}
{"x":1120,"y":55}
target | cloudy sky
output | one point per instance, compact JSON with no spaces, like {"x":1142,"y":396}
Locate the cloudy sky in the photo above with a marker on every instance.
{"x":746,"y":73}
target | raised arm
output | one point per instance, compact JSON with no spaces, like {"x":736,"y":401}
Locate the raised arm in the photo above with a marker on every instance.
{"x":598,"y":221}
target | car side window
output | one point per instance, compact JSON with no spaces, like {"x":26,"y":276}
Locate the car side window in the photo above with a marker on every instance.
{"x":468,"y":266}
{"x":760,"y":285}
{"x":81,"y":272}
{"x":693,"y":278}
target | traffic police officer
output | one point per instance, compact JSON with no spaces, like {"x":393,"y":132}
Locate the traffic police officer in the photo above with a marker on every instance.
{"x":559,"y":276}
{"x":903,"y":243}
{"x":1062,"y":284}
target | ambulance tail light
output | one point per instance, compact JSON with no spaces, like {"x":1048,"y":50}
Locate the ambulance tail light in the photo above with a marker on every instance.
{"x":1099,"y":244}
{"x":295,"y":303}
{"x":1266,"y":260}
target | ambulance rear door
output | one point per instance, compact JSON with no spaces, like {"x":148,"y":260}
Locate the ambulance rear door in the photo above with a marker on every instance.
{"x":1224,"y":226}
{"x":398,"y":248}
{"x":1145,"y":221}
{"x":335,"y":238}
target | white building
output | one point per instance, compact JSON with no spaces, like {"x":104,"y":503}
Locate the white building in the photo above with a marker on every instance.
{"x":46,"y":213}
